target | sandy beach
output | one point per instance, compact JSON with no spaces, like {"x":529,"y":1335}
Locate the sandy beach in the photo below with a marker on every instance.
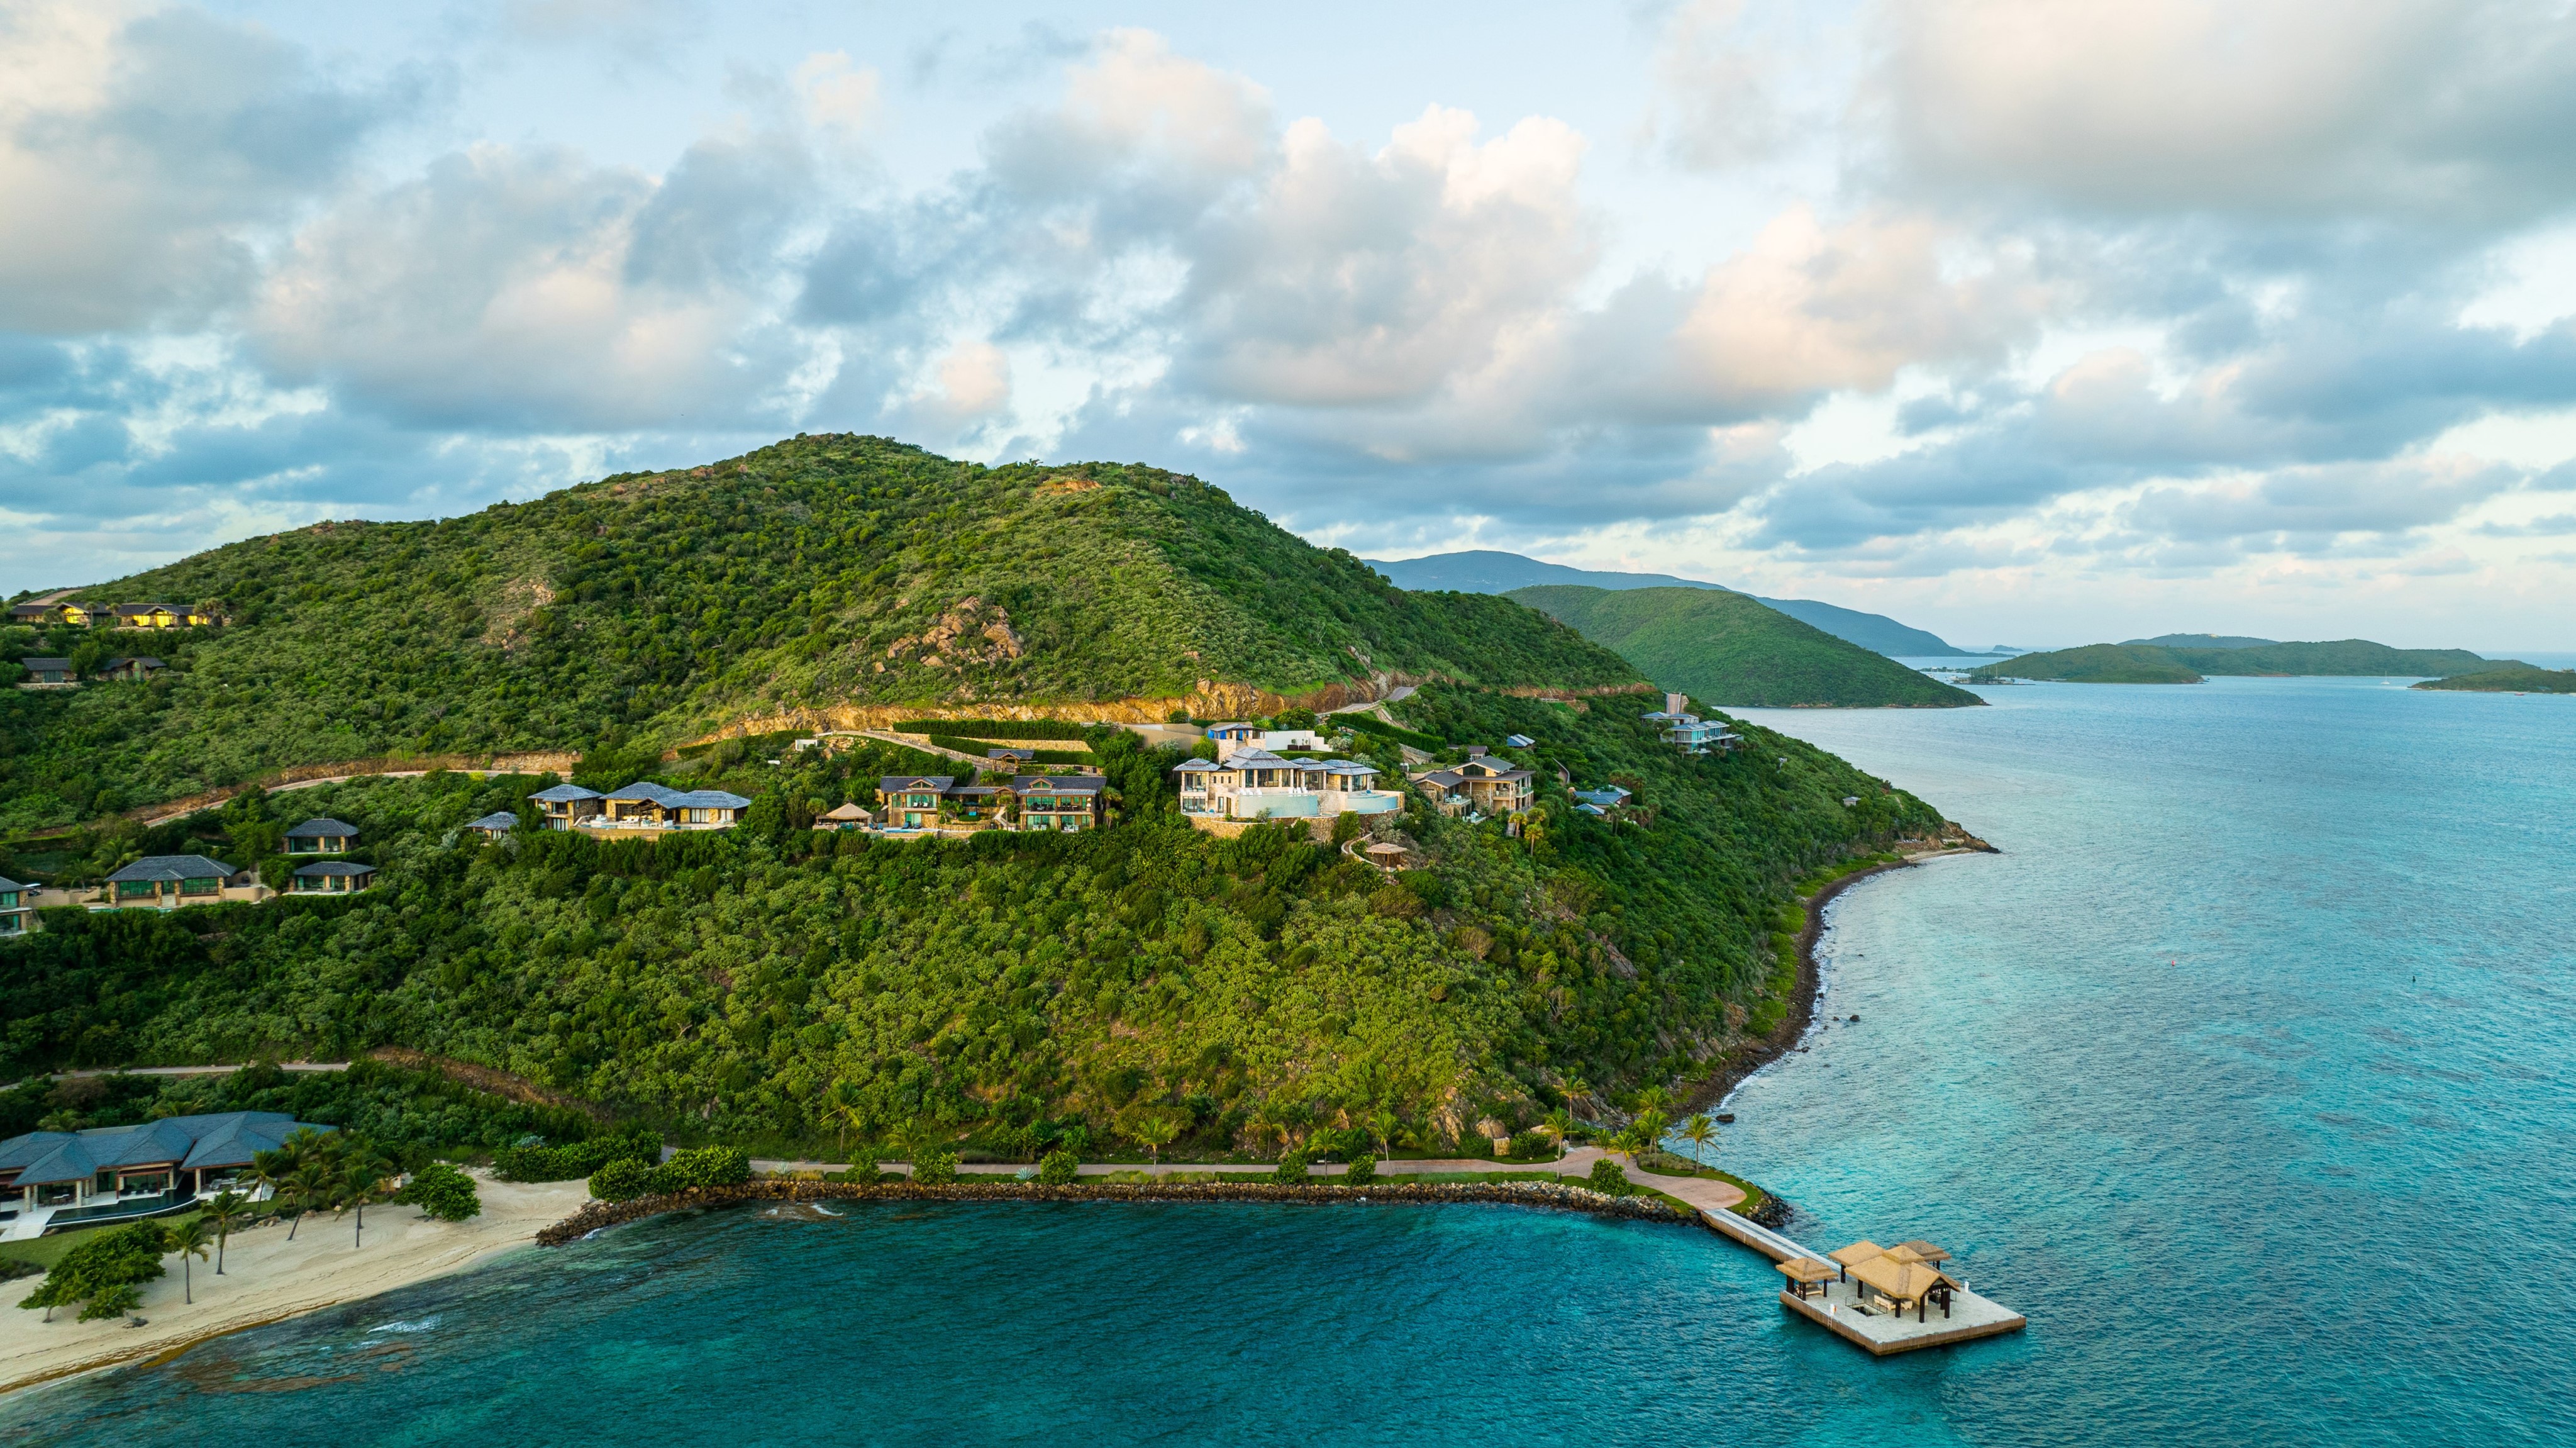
{"x":266,"y":1277}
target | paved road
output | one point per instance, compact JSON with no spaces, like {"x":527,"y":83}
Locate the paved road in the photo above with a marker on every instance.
{"x":175,"y":1071}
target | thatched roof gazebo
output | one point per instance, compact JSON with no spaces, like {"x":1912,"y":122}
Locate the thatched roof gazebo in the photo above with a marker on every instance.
{"x":1923,"y":1251}
{"x":1906,"y":1284}
{"x":1806,"y":1275}
{"x":1858,"y":1252}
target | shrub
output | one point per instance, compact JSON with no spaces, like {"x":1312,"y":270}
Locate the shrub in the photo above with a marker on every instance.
{"x":1533,"y":1144}
{"x":1059,"y":1168}
{"x":621,"y":1180}
{"x":1610,"y":1178}
{"x":1363,"y":1170}
{"x":935,"y":1169}
{"x":1331,"y":1142}
{"x":1292,"y":1169}
{"x":443,"y":1192}
{"x":576,"y":1160}
{"x":114,"y":1301}
{"x":703,"y":1166}
{"x":106,"y":1272}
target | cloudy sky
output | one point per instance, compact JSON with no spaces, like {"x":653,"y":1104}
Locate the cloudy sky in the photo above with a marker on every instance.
{"x":2027,"y":322}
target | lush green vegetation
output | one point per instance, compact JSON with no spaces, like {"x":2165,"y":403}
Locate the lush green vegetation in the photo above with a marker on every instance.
{"x":2510,"y":679}
{"x":2148,"y":663}
{"x":775,"y":987}
{"x":409,"y":1114}
{"x":2096,"y":664}
{"x":642,"y":611}
{"x":1733,"y":649}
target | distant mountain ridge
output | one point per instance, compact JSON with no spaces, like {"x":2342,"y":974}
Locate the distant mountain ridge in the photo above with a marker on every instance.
{"x":1487,"y":570}
{"x":2154,"y":664}
{"x":1727,"y":648}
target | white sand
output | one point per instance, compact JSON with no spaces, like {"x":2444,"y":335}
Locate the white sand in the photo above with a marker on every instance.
{"x":267,"y":1277}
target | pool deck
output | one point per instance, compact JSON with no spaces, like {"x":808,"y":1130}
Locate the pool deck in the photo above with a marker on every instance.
{"x":1880,"y":1333}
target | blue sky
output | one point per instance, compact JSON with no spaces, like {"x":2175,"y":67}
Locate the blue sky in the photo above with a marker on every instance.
{"x":2025,"y":322}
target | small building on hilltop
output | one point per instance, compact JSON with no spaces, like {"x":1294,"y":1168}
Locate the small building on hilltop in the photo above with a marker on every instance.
{"x":166,"y":882}
{"x":321,"y":837}
{"x":495,"y":826}
{"x":48,"y":674}
{"x":566,"y":805}
{"x":332,"y":877}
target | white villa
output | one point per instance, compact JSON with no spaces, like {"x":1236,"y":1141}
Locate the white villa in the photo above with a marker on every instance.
{"x":1252,"y":783}
{"x":1231,"y":737}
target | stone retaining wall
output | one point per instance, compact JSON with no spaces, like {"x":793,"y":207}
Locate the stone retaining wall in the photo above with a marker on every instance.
{"x":596,"y":1215}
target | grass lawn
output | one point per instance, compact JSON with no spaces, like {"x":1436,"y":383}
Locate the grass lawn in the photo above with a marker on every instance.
{"x":46,"y":1251}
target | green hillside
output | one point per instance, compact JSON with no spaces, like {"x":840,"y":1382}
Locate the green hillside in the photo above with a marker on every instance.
{"x":781,"y":988}
{"x":849,"y":578}
{"x":2096,"y":664}
{"x":1732,"y":649}
{"x":2510,"y":679}
{"x":2151,"y":664}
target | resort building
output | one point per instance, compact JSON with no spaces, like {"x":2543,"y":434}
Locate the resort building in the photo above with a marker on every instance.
{"x":321,"y":837}
{"x":1253,"y":783}
{"x":332,"y":877}
{"x":1230,"y":737}
{"x":48,"y":674}
{"x":50,"y":1180}
{"x":17,"y":913}
{"x":495,"y":826}
{"x":131,"y":671}
{"x":35,"y":613}
{"x":1480,"y":786}
{"x":566,"y":805}
{"x":1600,"y":801}
{"x":1062,"y":802}
{"x":1691,"y":732}
{"x":166,"y":882}
{"x":911,"y":801}
{"x":1518,"y":741}
{"x":149,"y":615}
{"x":646,"y":805}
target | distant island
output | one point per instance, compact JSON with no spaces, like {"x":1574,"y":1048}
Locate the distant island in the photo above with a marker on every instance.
{"x":2510,"y":679}
{"x":1729,"y":649}
{"x":2159,"y":663}
{"x":2200,"y":641}
{"x":1487,"y":570}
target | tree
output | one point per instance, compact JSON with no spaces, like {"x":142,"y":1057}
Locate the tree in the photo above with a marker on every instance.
{"x":1699,"y":1131}
{"x":442,"y":1192}
{"x":1560,"y":1124}
{"x":1608,"y":1179}
{"x":1059,"y":1168}
{"x":1382,"y":1123}
{"x":1155,"y":1132}
{"x":361,"y":1180}
{"x":1292,"y":1169}
{"x":621,"y":1180}
{"x":116,"y":1300}
{"x":228,"y":1209}
{"x":309,"y":1188}
{"x":1362,"y":1171}
{"x":846,"y":1109}
{"x":188,"y":1239}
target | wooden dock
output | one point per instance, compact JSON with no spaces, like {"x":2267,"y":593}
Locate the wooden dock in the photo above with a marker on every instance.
{"x":1882,"y":1333}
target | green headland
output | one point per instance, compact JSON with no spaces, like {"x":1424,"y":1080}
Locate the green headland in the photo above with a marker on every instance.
{"x":1732,"y":649}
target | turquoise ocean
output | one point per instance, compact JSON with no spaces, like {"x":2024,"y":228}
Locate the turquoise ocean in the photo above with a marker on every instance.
{"x":2243,"y":1071}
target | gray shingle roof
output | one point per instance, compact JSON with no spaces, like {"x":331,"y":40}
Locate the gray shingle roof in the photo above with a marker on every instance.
{"x":9,"y":884}
{"x":323,"y":829}
{"x":321,"y":868}
{"x":171,"y":868}
{"x":223,"y":1139}
{"x":1058,"y":784}
{"x":669,"y":798}
{"x":564,"y":794}
{"x":915,"y":783}
{"x":499,"y":819}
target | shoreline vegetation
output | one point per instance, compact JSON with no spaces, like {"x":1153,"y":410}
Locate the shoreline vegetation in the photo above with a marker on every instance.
{"x":2148,"y":663}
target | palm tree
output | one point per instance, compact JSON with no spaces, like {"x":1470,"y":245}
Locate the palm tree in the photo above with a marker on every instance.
{"x":308,"y":1188}
{"x":188,"y":1239}
{"x":225,"y":1212}
{"x":1154,"y":1131}
{"x":1699,"y":1131}
{"x":842,"y":1104}
{"x":362,"y":1175}
{"x":1384,"y":1123}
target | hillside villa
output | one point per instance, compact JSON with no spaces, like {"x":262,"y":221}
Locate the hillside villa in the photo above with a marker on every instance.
{"x":51,"y":1180}
{"x":1600,"y":801}
{"x":1479,"y":786}
{"x":321,"y":837}
{"x":16,"y":915}
{"x":1253,"y":783}
{"x":642,"y":806}
{"x":1059,"y":802}
{"x":331,"y":877}
{"x":1692,"y":733}
{"x":1230,"y":737}
{"x":130,"y":670}
{"x":47,"y":673}
{"x":166,"y":882}
{"x":494,"y":826}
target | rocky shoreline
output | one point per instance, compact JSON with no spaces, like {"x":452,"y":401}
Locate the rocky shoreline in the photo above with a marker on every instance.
{"x":597,"y":1214}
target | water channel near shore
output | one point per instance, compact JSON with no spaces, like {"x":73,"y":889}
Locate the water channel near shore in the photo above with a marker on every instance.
{"x":2241,"y":1072}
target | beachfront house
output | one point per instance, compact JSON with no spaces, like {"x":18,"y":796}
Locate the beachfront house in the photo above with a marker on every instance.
{"x":48,"y":674}
{"x":130,"y":670}
{"x":331,"y":877}
{"x":911,"y":801}
{"x":321,"y":837}
{"x":166,"y":882}
{"x":17,"y":915}
{"x":494,"y":827}
{"x":566,"y":805}
{"x":1253,"y":783}
{"x":646,"y":805}
{"x":51,"y":1180}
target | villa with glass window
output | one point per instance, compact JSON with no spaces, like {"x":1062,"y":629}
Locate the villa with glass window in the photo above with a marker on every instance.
{"x":17,"y":915}
{"x":321,"y":837}
{"x":166,"y":882}
{"x":52,"y":1180}
{"x":1253,"y":783}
